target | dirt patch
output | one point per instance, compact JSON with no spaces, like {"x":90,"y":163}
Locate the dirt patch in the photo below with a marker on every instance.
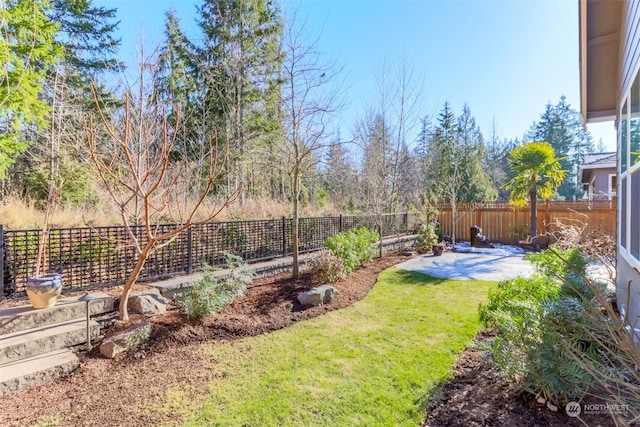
{"x":122,"y":391}
{"x":478,"y":395}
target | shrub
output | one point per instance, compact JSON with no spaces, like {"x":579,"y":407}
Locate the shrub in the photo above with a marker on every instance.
{"x":211,"y":294}
{"x":326,"y":268}
{"x":542,"y":323}
{"x":567,"y":267}
{"x":515,"y":298}
{"x":354,"y":247}
{"x":427,"y":233}
{"x":549,"y":263}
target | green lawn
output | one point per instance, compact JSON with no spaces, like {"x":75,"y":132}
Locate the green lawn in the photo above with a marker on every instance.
{"x":375,"y":363}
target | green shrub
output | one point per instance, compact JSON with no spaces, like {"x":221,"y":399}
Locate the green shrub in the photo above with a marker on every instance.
{"x":567,"y":267}
{"x":516,"y":297}
{"x":427,"y":233}
{"x":326,"y":268}
{"x":354,"y":247}
{"x":211,"y":294}
{"x":542,"y":323}
{"x":549,"y":264}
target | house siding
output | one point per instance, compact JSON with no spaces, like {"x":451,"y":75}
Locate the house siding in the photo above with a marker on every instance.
{"x":628,"y":277}
{"x":630,"y":45}
{"x":601,"y":185}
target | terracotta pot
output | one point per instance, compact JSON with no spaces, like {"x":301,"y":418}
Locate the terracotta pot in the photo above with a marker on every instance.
{"x":437,"y":250}
{"x":43,"y":291}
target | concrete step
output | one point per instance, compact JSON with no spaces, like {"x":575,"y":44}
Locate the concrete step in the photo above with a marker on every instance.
{"x":36,"y":370}
{"x":43,"y":339}
{"x":25,"y":317}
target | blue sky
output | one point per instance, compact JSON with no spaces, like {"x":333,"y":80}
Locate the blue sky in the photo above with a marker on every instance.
{"x":506,"y":58}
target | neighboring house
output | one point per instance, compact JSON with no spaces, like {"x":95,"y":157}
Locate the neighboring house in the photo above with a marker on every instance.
{"x":610,"y":89}
{"x":598,"y":176}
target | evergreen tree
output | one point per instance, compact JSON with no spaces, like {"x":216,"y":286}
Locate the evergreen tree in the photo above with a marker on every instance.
{"x":374,"y":136}
{"x":29,"y":50}
{"x":422,"y":155}
{"x":455,"y":159}
{"x":240,"y":66}
{"x":176,"y":87}
{"x":340,"y":175}
{"x":476,"y":183}
{"x":86,"y":34}
{"x":561,"y":126}
{"x":85,"y":38}
{"x":496,"y":162}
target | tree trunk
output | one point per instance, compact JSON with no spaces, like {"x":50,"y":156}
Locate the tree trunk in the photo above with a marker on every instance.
{"x":454,"y":221}
{"x":533,"y":196}
{"x":294,"y":227}
{"x":124,"y":297}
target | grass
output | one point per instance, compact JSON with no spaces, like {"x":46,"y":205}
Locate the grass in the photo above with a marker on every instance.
{"x":375,"y":363}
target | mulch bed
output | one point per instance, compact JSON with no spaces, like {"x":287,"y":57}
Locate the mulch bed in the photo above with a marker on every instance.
{"x":121,"y":391}
{"x":479,"y":396}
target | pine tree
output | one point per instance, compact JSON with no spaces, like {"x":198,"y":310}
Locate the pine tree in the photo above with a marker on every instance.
{"x":87,"y":35}
{"x":496,"y":162}
{"x":85,"y":38}
{"x":177,"y":88}
{"x":339,"y":176}
{"x":240,"y":69}
{"x":374,"y":136}
{"x":561,"y":127}
{"x":476,"y":183}
{"x":30,"y":51}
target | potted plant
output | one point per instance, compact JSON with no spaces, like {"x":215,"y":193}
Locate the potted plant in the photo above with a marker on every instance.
{"x":428,"y":237}
{"x":43,"y":289}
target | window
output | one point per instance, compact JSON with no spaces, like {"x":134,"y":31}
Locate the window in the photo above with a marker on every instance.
{"x":629,"y":173}
{"x":634,"y":125}
{"x":613,"y":186}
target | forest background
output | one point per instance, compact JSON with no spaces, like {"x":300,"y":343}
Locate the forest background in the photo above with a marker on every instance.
{"x":255,"y":83}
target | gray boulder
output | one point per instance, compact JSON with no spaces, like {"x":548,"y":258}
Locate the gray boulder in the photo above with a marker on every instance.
{"x":124,"y":341}
{"x":148,"y":304}
{"x":318,"y":296}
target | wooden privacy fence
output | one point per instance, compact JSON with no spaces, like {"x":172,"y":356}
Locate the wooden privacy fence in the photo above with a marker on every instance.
{"x":502,"y":223}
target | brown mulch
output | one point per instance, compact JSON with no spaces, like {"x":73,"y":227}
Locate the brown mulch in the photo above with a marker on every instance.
{"x":130,"y":390}
{"x":479,"y":396}
{"x":122,"y":391}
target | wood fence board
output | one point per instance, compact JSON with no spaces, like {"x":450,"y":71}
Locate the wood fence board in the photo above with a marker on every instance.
{"x":504,"y":224}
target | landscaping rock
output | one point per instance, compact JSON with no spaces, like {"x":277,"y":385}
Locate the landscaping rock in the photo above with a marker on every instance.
{"x":318,"y":296}
{"x":149,"y":304}
{"x":124,"y":341}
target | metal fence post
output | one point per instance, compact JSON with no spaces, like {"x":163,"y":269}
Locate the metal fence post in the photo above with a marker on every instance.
{"x":284,"y":236}
{"x":2,"y":255}
{"x":189,"y":250}
{"x":406,"y":222}
{"x":340,"y":224}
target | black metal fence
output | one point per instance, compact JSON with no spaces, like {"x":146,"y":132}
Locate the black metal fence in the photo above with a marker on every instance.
{"x":93,"y":257}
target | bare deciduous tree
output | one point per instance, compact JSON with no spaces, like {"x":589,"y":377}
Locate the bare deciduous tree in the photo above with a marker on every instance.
{"x":137,"y":170}
{"x":308,"y":100}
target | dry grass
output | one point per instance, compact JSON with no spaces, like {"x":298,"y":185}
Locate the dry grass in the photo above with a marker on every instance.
{"x":18,"y":214}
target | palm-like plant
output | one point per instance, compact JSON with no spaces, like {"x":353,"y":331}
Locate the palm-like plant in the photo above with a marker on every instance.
{"x":538,"y":174}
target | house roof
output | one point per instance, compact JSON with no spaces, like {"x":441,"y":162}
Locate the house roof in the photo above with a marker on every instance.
{"x":596,"y":161}
{"x":600,"y":38}
{"x":600,"y":160}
